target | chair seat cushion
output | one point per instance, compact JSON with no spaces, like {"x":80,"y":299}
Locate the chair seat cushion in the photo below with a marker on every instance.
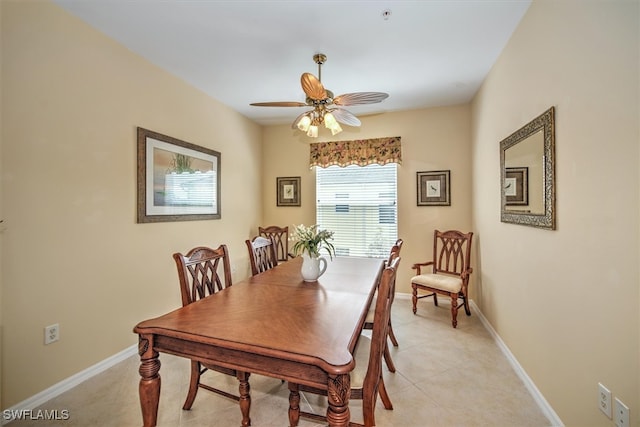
{"x":362,"y":361}
{"x":438,"y":281}
{"x":372,"y":311}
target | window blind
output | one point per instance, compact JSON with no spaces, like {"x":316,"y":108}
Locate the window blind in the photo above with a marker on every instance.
{"x":359,"y":204}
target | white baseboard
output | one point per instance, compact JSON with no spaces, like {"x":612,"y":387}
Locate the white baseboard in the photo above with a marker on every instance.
{"x":529,"y":384}
{"x":67,"y":384}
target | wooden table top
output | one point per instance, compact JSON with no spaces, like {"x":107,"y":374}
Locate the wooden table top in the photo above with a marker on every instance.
{"x":277,"y":314}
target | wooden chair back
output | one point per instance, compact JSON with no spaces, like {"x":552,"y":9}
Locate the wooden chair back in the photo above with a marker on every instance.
{"x":451,"y":252}
{"x":202,"y":271}
{"x":280,"y":237}
{"x":262,"y":254}
{"x":394,"y":252}
{"x":381,"y":321}
{"x":373,"y":381}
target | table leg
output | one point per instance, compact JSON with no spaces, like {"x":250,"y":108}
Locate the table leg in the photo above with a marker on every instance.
{"x":294,"y":404}
{"x":149,"y":388}
{"x":339,"y":389}
{"x":245,"y":397}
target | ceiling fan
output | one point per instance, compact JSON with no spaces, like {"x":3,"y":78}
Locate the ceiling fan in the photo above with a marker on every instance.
{"x":323,"y":102}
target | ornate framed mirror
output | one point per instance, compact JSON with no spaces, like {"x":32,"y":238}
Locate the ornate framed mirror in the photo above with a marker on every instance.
{"x":527,"y":174}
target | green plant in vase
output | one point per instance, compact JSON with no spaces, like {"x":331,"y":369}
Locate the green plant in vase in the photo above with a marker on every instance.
{"x":312,"y":240}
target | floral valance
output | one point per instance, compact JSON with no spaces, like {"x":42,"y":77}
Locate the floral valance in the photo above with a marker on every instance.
{"x":360,"y":152}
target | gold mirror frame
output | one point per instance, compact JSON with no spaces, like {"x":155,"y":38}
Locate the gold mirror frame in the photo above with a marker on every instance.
{"x":545,"y":123}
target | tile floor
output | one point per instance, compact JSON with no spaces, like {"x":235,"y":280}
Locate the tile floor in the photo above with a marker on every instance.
{"x":445,"y":377}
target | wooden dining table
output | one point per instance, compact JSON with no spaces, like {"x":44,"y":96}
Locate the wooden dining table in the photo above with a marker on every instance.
{"x":272,"y":324}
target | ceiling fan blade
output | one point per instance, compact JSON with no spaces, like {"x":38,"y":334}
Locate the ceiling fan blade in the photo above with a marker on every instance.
{"x":312,"y":87}
{"x":279,"y":104}
{"x":360,"y":98}
{"x":343,"y":116}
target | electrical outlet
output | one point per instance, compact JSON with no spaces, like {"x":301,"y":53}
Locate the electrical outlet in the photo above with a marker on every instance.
{"x":51,"y":333}
{"x":604,"y":400}
{"x":621,"y":413}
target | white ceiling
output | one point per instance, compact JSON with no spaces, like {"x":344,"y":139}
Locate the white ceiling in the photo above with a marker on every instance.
{"x":427,"y":53}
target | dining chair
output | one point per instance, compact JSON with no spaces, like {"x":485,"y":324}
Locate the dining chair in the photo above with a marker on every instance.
{"x":262,"y":254}
{"x":449,"y":273}
{"x":368,"y":324}
{"x":366,"y":378}
{"x":280,"y":236}
{"x":202,"y":272}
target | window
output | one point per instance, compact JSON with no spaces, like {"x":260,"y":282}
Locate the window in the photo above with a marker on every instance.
{"x":358,"y":203}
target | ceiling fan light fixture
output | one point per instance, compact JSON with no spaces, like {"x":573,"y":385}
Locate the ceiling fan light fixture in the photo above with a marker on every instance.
{"x":329,"y":120}
{"x":331,"y":124}
{"x":313,"y":131}
{"x":304,"y":123}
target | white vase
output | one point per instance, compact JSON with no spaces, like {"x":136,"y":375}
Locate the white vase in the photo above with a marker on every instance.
{"x":312,"y":267}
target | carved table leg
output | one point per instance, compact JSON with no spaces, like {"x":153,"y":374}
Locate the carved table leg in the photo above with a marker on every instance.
{"x":339,"y":387}
{"x":245,"y":397}
{"x":149,"y":388}
{"x":294,"y":405}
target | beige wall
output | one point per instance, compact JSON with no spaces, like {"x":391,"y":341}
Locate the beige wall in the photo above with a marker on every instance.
{"x":566,"y":302}
{"x":432,"y":139}
{"x":72,"y":251}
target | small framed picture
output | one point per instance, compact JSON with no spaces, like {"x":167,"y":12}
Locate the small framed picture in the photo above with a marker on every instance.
{"x":433,"y":188}
{"x":288,"y":191}
{"x":516,"y":186}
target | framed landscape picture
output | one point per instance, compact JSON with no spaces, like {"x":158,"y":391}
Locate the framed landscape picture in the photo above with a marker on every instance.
{"x":177,"y":180}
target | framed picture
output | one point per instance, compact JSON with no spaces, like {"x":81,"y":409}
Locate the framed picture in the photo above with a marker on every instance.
{"x":516,"y":186}
{"x":288,"y":191}
{"x":177,"y":180}
{"x":434,"y":188}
